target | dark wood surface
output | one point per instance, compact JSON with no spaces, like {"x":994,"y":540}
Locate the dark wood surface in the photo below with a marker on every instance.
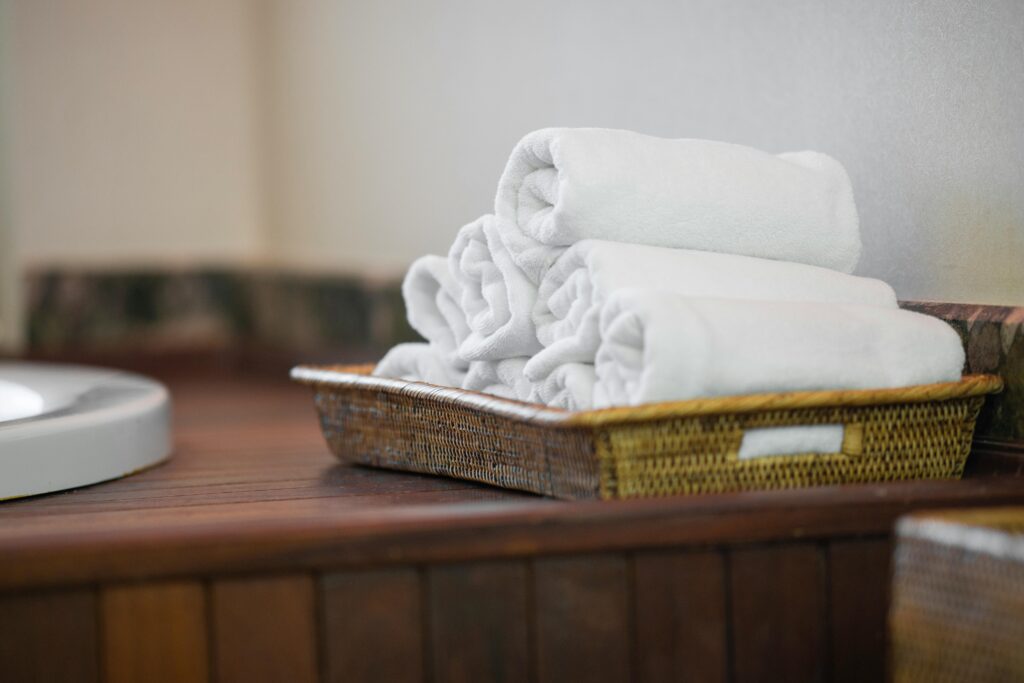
{"x":681,"y":615}
{"x":479,"y":621}
{"x":31,"y":623}
{"x":265,"y":628}
{"x":373,"y":626}
{"x":859,"y":597}
{"x":253,"y":555}
{"x":252,"y":487}
{"x":156,"y":631}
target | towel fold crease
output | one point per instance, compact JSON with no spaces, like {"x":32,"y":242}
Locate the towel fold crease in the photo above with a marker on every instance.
{"x":419,"y":362}
{"x":433,"y":307}
{"x":496,"y":294}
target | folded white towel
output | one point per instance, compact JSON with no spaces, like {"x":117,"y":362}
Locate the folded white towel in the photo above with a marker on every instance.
{"x":432,"y":305}
{"x":502,"y":378}
{"x":574,"y":289}
{"x":496,"y":295}
{"x":533,"y":257}
{"x":660,"y":346}
{"x":569,"y":386}
{"x":562,"y":185}
{"x":419,"y":362}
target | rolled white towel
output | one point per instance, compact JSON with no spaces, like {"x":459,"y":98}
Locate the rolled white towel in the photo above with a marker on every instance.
{"x":562,"y":185}
{"x":574,"y":289}
{"x":569,"y":386}
{"x":497,"y":297}
{"x":419,"y":362}
{"x":433,"y":307}
{"x":660,"y":346}
{"x":533,"y":257}
{"x":502,"y":378}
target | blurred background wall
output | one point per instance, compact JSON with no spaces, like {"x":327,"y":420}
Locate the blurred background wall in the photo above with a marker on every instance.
{"x":347,"y":136}
{"x":133,"y":131}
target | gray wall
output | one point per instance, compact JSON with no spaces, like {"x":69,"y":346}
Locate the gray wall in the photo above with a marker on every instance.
{"x":393,"y":118}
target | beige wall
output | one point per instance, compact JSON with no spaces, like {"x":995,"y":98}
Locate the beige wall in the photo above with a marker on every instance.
{"x":133,"y":131}
{"x":354,"y":135}
{"x":10,"y":323}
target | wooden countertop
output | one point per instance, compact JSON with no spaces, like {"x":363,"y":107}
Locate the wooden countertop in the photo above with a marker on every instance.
{"x":253,"y":556}
{"x":252,"y":488}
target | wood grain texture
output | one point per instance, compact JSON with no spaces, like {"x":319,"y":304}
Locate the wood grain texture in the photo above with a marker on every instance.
{"x":155,"y":632}
{"x":252,"y":488}
{"x":583,"y":618}
{"x":264,"y":629}
{"x":373,"y":626}
{"x":479,"y":622}
{"x":681,"y":617}
{"x":412,"y":562}
{"x":441,"y":526}
{"x":779,"y":616}
{"x":49,"y":637}
{"x":859,"y":580}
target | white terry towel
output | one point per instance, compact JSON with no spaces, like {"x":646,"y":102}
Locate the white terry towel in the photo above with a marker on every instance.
{"x":660,"y":346}
{"x":502,"y":378}
{"x":496,"y":295}
{"x":562,"y":185}
{"x":419,"y":362}
{"x":433,"y":307}
{"x":571,"y":294}
{"x":569,"y":386}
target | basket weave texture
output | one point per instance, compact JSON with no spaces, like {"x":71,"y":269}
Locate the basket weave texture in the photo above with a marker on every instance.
{"x":684,"y":447}
{"x":958,"y":597}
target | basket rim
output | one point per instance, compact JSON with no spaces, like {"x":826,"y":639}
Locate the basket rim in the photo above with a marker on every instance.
{"x":358,"y":376}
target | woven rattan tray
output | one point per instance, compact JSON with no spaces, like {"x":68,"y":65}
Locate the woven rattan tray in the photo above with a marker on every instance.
{"x":958,"y":597}
{"x":684,"y":447}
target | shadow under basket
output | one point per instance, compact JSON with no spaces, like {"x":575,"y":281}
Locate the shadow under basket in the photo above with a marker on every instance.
{"x":658,"y":449}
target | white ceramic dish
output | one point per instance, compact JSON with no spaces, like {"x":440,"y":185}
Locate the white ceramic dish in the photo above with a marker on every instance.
{"x":64,"y":426}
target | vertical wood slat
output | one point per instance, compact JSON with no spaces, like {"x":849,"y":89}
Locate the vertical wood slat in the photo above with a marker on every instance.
{"x":372,"y":626}
{"x":155,"y":632}
{"x":478,"y":622}
{"x":49,"y":636}
{"x":264,"y":629}
{"x":859,"y":596}
{"x":681,"y":618}
{"x":779,"y":613}
{"x":583,"y":621}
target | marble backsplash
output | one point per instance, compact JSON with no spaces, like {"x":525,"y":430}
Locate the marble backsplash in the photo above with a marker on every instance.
{"x":994,"y":339}
{"x":350,"y":319}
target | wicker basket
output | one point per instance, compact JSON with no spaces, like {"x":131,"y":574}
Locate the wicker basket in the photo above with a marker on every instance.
{"x":958,"y":597}
{"x":683,"y":447}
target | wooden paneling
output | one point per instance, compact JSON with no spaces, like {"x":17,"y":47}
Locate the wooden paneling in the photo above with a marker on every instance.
{"x":859,"y":590}
{"x":779,"y":621}
{"x":681,"y":618}
{"x":583,"y":618}
{"x":264,"y":630}
{"x":373,"y":626}
{"x":478,"y":622}
{"x":49,"y":637}
{"x":155,"y":632}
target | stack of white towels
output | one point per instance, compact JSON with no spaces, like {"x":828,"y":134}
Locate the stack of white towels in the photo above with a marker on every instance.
{"x":620,"y":269}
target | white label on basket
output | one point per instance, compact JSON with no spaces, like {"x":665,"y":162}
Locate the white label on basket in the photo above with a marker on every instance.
{"x":758,"y":443}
